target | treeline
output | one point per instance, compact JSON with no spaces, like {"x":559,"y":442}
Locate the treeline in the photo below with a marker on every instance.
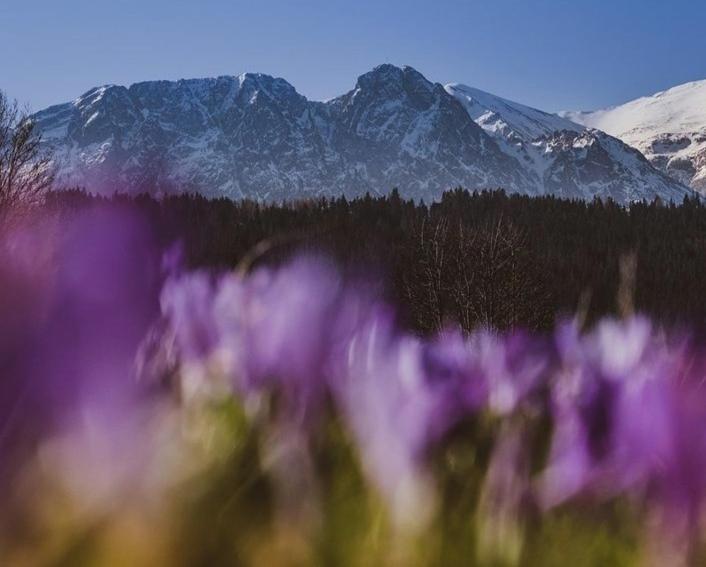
{"x":473,"y":258}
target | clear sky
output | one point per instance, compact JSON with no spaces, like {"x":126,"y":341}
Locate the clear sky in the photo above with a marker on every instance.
{"x":547,"y":53}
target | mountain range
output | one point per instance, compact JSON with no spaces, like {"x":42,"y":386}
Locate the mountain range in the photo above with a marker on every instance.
{"x":669,"y":128}
{"x":254,"y":136}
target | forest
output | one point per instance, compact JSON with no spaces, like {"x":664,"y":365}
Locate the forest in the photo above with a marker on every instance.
{"x":473,"y":259}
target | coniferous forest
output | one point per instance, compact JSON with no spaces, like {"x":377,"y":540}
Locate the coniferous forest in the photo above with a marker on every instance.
{"x":473,"y":259}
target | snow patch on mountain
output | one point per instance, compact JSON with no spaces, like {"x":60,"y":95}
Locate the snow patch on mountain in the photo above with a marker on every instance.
{"x":669,"y":128}
{"x":510,"y":119}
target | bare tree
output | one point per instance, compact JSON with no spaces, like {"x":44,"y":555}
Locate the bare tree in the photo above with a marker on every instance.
{"x":428,"y":282}
{"x":465,"y":282}
{"x":26,"y":172}
{"x":480,"y":275}
{"x":495,"y":282}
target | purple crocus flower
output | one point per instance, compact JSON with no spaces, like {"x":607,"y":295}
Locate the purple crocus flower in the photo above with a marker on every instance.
{"x":26,"y":280}
{"x":300,"y":332}
{"x":512,"y":366}
{"x":455,"y":379}
{"x":291,"y":314}
{"x":393,"y":410}
{"x":612,"y":405}
{"x":678,"y":493}
{"x":270,"y":330}
{"x":75,"y":361}
{"x":188,"y":301}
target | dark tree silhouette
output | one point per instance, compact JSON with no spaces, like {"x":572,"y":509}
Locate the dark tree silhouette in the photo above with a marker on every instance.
{"x":26,"y":172}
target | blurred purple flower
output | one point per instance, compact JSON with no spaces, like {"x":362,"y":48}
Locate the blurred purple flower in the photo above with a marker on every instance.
{"x":188,"y":302}
{"x":613,"y":405}
{"x":93,"y":297}
{"x":389,"y":405}
{"x":512,"y":366}
{"x":301,"y":332}
{"x":679,"y":489}
{"x":457,"y":383}
{"x":291,"y":313}
{"x":271,"y":329}
{"x":105,"y":300}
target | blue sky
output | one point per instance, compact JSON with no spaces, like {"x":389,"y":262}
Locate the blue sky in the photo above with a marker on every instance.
{"x":550,"y":54}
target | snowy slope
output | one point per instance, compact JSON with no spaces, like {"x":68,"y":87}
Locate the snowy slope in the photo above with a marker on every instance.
{"x":568,"y":159}
{"x":254,"y":136}
{"x":668,"y":127}
{"x":507,"y":118}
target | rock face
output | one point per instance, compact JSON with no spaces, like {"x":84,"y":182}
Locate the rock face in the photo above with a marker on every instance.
{"x":254,"y":136}
{"x":669,"y":128}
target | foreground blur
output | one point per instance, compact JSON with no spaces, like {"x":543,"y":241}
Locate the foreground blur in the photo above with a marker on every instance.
{"x":151,"y":415}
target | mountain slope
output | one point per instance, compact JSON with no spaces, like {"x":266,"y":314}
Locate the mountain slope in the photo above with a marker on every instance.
{"x":255,"y":136}
{"x":229,"y":136}
{"x":509,"y":119}
{"x":398,"y":127}
{"x":669,"y":128}
{"x":569,"y":160}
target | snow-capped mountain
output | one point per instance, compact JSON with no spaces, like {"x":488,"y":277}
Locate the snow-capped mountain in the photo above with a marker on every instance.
{"x":669,"y":128}
{"x":255,"y":136}
{"x":568,"y":159}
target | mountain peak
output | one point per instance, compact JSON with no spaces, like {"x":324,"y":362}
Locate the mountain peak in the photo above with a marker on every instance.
{"x":389,"y":73}
{"x":683,"y":89}
{"x":94,"y":95}
{"x":386,"y":70}
{"x":388,"y":80}
{"x":274,"y":87}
